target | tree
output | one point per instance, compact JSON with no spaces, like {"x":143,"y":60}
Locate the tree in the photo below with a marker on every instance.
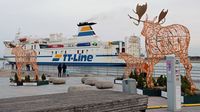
{"x":16,"y":78}
{"x":43,"y":77}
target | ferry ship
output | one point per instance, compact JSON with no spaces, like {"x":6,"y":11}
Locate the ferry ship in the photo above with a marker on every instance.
{"x":83,"y":49}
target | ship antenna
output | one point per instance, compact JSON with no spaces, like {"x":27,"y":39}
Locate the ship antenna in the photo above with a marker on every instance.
{"x":17,"y":34}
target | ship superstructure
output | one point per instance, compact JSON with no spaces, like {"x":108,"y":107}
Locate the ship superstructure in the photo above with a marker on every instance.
{"x":83,"y":49}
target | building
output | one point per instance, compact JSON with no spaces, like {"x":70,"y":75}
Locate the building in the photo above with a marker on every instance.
{"x":132,"y":45}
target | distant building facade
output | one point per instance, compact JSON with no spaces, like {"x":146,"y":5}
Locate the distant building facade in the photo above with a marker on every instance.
{"x":132,"y":45}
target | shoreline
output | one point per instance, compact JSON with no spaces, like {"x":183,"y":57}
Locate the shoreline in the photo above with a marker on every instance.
{"x":5,"y":73}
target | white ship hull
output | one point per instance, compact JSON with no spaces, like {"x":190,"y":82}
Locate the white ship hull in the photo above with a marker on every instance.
{"x":96,"y":60}
{"x":94,"y":57}
{"x":84,"y":49}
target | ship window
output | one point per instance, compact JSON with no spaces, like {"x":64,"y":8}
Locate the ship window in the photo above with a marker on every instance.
{"x":39,"y":53}
{"x":52,"y":52}
{"x":82,"y":51}
{"x":123,"y":49}
{"x":31,"y":46}
{"x":65,"y":52}
{"x":117,"y":50}
{"x":55,"y":52}
{"x":34,"y":46}
{"x":77,"y":51}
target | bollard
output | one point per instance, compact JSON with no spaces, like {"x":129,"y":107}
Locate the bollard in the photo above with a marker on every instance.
{"x":129,"y":86}
{"x":173,"y":83}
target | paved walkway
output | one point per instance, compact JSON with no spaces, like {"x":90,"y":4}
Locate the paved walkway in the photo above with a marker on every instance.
{"x":7,"y":91}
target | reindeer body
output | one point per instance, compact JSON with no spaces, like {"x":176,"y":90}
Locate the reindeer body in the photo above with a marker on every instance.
{"x":161,"y":41}
{"x":166,"y":40}
{"x":133,"y":62}
{"x":24,"y":57}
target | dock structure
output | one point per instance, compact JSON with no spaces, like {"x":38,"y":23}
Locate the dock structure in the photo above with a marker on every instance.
{"x":86,"y":101}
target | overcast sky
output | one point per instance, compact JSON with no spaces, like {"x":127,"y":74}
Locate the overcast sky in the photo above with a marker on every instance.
{"x":43,"y":17}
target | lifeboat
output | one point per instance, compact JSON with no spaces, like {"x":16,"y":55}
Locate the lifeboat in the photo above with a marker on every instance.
{"x":83,"y":44}
{"x":23,"y":39}
{"x":56,"y":46}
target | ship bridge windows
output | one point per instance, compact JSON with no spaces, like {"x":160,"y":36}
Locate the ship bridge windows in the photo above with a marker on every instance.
{"x":123,"y":50}
{"x":80,"y":51}
{"x":42,"y":46}
{"x":117,"y":50}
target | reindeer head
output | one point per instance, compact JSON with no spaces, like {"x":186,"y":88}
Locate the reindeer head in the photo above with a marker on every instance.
{"x":15,"y":48}
{"x":148,"y":24}
{"x":122,"y":55}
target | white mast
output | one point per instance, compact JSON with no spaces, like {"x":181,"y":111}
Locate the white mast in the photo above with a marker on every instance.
{"x":17,"y":35}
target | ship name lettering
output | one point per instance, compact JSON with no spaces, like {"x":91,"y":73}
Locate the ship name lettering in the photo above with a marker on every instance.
{"x":77,"y":57}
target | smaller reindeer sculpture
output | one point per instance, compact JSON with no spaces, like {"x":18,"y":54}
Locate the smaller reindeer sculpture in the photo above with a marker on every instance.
{"x":139,"y":64}
{"x":164,"y":40}
{"x":24,"y":57}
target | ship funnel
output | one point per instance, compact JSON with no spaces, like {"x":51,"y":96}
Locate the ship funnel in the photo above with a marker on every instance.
{"x":85,"y":29}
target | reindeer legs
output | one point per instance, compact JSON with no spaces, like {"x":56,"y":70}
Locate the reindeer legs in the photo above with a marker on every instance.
{"x":19,"y":68}
{"x":149,"y":76}
{"x":151,"y":63}
{"x":188,"y":67}
{"x":35,"y":68}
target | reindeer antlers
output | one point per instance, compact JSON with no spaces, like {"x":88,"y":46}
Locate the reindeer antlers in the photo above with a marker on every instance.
{"x":162,"y":16}
{"x":140,"y":10}
{"x":12,"y":45}
{"x":9,"y":44}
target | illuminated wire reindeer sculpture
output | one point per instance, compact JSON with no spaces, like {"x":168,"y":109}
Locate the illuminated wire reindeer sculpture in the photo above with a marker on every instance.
{"x":24,"y":57}
{"x":138,"y":63}
{"x":164,"y":40}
